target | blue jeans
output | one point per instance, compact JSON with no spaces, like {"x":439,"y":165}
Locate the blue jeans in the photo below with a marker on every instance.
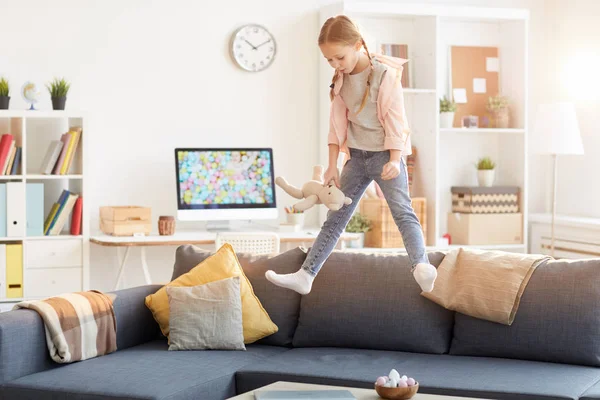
{"x":358,"y":173}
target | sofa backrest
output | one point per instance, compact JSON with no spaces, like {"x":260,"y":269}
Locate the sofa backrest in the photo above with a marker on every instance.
{"x":372,"y":301}
{"x":282,"y":305}
{"x":558,"y":319}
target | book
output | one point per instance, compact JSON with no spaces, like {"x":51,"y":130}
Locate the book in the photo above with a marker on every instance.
{"x":76,"y":218}
{"x":63,"y":214}
{"x":51,"y":157}
{"x":76,"y":132}
{"x":5,"y":160}
{"x":70,"y":151}
{"x":56,"y":208}
{"x":5,"y":143}
{"x":13,"y":151}
{"x":50,"y":218}
{"x":17,"y":163}
{"x":65,"y":139}
{"x":303,"y":394}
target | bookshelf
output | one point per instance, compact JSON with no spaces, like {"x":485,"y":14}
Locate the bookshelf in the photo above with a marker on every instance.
{"x":446,"y":157}
{"x":51,"y":264}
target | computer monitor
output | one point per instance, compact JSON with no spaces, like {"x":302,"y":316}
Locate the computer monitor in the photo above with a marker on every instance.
{"x":223,"y":184}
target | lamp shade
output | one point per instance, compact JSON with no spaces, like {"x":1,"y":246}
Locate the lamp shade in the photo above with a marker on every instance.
{"x":556,"y":130}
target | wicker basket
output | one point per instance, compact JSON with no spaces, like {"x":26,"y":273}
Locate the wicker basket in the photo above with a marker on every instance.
{"x":384,"y":233}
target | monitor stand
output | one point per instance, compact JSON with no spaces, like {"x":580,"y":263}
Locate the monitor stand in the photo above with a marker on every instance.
{"x":218,"y":226}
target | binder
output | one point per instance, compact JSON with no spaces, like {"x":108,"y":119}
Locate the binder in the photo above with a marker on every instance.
{"x":3,"y":271}
{"x":35,"y":209}
{"x":2,"y":210}
{"x":15,"y":209}
{"x":14,"y":271}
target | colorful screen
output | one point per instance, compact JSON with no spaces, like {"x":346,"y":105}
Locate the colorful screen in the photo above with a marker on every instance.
{"x":225,"y":178}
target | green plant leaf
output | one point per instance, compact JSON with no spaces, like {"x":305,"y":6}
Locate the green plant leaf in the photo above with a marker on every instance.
{"x":4,"y":87}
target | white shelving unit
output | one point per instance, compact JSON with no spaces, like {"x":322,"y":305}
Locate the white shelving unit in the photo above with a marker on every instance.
{"x":446,"y":157}
{"x":51,"y":264}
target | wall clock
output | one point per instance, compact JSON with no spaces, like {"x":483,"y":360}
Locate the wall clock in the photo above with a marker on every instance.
{"x":253,"y":47}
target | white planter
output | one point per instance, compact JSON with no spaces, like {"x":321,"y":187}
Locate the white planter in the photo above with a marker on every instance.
{"x":358,"y":243}
{"x":446,"y":120}
{"x":486,"y":177}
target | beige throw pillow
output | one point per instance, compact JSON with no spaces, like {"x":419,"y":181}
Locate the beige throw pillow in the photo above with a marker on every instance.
{"x":206,"y":316}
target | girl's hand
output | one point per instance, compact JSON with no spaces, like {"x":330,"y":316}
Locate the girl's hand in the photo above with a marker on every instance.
{"x":332,"y":174}
{"x":390,"y":170}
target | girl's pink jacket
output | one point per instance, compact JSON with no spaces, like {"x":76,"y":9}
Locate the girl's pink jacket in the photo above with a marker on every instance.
{"x":390,"y":110}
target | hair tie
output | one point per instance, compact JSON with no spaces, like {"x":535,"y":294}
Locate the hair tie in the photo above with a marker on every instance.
{"x":332,"y":86}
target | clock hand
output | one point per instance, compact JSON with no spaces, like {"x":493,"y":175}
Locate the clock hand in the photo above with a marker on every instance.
{"x":253,"y":48}
{"x":263,"y":43}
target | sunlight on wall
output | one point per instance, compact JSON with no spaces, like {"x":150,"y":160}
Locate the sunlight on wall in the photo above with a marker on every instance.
{"x":581,"y":77}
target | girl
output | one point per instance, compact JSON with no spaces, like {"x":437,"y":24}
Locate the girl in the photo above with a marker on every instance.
{"x":367,"y":123}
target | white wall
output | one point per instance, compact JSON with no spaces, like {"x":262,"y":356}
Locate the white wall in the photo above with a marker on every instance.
{"x":572,"y":69}
{"x":156,"y":75}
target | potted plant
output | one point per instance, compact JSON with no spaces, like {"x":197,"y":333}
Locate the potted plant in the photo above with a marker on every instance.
{"x":486,"y":172}
{"x":447,"y":110}
{"x":4,"y":94}
{"x":359,"y":225}
{"x":498,"y":107}
{"x":58,"y":89}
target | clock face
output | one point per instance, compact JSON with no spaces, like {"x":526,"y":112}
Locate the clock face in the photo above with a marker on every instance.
{"x":253,"y":48}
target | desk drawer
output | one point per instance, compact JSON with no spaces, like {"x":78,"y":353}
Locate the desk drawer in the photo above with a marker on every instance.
{"x":47,"y":282}
{"x":53,"y":253}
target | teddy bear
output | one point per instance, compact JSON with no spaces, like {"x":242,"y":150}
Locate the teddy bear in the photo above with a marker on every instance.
{"x":315,"y":192}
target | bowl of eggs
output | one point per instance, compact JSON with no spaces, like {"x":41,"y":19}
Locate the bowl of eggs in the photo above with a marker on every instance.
{"x":396,"y":387}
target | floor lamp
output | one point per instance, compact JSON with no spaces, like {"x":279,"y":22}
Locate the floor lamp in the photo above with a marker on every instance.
{"x":556,"y":132}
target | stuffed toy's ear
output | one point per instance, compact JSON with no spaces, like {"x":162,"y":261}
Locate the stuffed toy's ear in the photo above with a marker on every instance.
{"x":347,"y":201}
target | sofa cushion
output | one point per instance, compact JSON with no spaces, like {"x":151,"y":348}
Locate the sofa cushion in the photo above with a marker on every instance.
{"x":478,"y":377}
{"x":592,"y":393}
{"x":147,"y":371}
{"x":372,"y":301}
{"x":187,"y":257}
{"x":558,"y":319}
{"x":282,"y":305}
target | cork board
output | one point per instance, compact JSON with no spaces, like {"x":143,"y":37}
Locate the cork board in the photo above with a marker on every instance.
{"x":469,"y":64}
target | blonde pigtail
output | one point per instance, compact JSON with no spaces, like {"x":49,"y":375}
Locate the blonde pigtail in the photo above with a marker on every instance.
{"x":368,"y":88}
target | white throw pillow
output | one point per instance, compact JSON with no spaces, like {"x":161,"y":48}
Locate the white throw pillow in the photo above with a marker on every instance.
{"x":206,"y":316}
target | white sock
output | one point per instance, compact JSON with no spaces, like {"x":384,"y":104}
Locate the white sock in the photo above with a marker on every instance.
{"x":300,"y":281}
{"x":425,"y":275}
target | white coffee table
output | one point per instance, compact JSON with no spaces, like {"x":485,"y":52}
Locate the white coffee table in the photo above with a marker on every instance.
{"x":360,"y":394}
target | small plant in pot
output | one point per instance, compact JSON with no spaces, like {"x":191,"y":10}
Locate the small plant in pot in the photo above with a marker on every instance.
{"x":498,"y":107}
{"x":486,"y":171}
{"x":58,"y":89}
{"x":447,"y":110}
{"x":359,"y":225}
{"x":4,"y":94}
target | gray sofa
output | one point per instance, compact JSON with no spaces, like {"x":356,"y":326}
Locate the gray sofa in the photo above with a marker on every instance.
{"x":363,"y":317}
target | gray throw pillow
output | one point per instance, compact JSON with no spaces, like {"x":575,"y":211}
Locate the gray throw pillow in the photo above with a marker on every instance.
{"x":206,"y":316}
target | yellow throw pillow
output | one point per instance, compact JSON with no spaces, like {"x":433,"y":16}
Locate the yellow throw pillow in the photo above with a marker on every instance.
{"x":222,"y":265}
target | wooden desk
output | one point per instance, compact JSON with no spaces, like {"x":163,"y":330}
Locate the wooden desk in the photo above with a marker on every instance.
{"x":199,"y":238}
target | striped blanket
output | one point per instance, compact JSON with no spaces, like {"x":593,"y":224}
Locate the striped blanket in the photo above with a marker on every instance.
{"x":78,"y":325}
